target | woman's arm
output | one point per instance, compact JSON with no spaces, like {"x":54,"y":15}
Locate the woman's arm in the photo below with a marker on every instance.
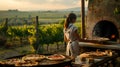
{"x":77,"y":36}
{"x":65,"y":39}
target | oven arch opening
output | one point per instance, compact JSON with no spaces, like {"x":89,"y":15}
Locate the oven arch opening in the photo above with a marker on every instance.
{"x":106,"y":29}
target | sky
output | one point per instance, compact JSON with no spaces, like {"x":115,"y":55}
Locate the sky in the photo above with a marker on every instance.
{"x":29,"y":5}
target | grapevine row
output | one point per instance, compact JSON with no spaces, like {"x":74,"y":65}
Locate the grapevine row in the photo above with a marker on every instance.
{"x":47,"y":34}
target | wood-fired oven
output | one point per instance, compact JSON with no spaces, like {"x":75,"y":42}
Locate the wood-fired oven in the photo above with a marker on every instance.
{"x":103,"y":20}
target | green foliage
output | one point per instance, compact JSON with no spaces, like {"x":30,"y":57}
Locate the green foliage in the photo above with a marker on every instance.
{"x":117,"y":10}
{"x":61,"y":22}
{"x":4,"y":28}
{"x":18,"y":31}
{"x":51,"y":33}
{"x":32,"y":40}
{"x":47,"y":33}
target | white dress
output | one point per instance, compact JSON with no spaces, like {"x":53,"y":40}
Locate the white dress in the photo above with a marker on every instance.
{"x":72,"y":48}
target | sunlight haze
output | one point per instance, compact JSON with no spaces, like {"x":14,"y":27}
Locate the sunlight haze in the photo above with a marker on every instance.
{"x":28,"y":5}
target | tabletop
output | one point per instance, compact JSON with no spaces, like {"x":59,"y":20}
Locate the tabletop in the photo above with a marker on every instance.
{"x":42,"y":63}
{"x":99,"y":62}
{"x":97,"y":45}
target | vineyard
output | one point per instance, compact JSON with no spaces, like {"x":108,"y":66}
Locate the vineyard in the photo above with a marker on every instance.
{"x":18,"y":32}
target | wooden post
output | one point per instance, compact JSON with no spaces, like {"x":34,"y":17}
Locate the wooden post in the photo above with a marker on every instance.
{"x":83,"y":18}
{"x":6,"y":25}
{"x":37,"y":33}
{"x":6,"y":20}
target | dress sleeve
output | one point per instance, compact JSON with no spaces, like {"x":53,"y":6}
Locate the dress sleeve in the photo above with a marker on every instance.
{"x":74,"y":28}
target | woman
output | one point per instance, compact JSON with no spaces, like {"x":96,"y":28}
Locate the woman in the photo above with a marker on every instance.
{"x":71,"y":36}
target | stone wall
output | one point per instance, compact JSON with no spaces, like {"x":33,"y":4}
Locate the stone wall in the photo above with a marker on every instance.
{"x":99,"y":10}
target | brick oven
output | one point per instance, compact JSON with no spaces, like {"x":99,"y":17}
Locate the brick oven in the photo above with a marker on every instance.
{"x":103,"y":20}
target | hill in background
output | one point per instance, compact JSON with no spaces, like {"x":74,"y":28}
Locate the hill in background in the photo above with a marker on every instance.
{"x":75,"y":9}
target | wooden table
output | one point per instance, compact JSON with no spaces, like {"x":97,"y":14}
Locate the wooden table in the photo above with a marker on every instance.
{"x":44,"y":63}
{"x":102,"y":62}
{"x":106,"y":61}
{"x":89,"y":46}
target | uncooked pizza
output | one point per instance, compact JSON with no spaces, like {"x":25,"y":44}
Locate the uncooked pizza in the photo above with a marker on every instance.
{"x":97,"y":54}
{"x":18,"y":62}
{"x":11,"y":61}
{"x":93,"y":54}
{"x":26,"y":63}
{"x":33,"y":57}
{"x":56,"y":57}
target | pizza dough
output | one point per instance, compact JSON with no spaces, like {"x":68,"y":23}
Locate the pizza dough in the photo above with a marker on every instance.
{"x":34,"y":57}
{"x":56,"y":57}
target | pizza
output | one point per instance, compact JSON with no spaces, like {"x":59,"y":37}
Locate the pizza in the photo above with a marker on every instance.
{"x":18,"y":62}
{"x":93,"y":54}
{"x":97,"y":54}
{"x":56,"y":57}
{"x":26,"y":63}
{"x":33,"y":57}
{"x":11,"y":61}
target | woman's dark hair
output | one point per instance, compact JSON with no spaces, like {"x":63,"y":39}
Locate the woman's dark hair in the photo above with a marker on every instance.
{"x":69,"y":19}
